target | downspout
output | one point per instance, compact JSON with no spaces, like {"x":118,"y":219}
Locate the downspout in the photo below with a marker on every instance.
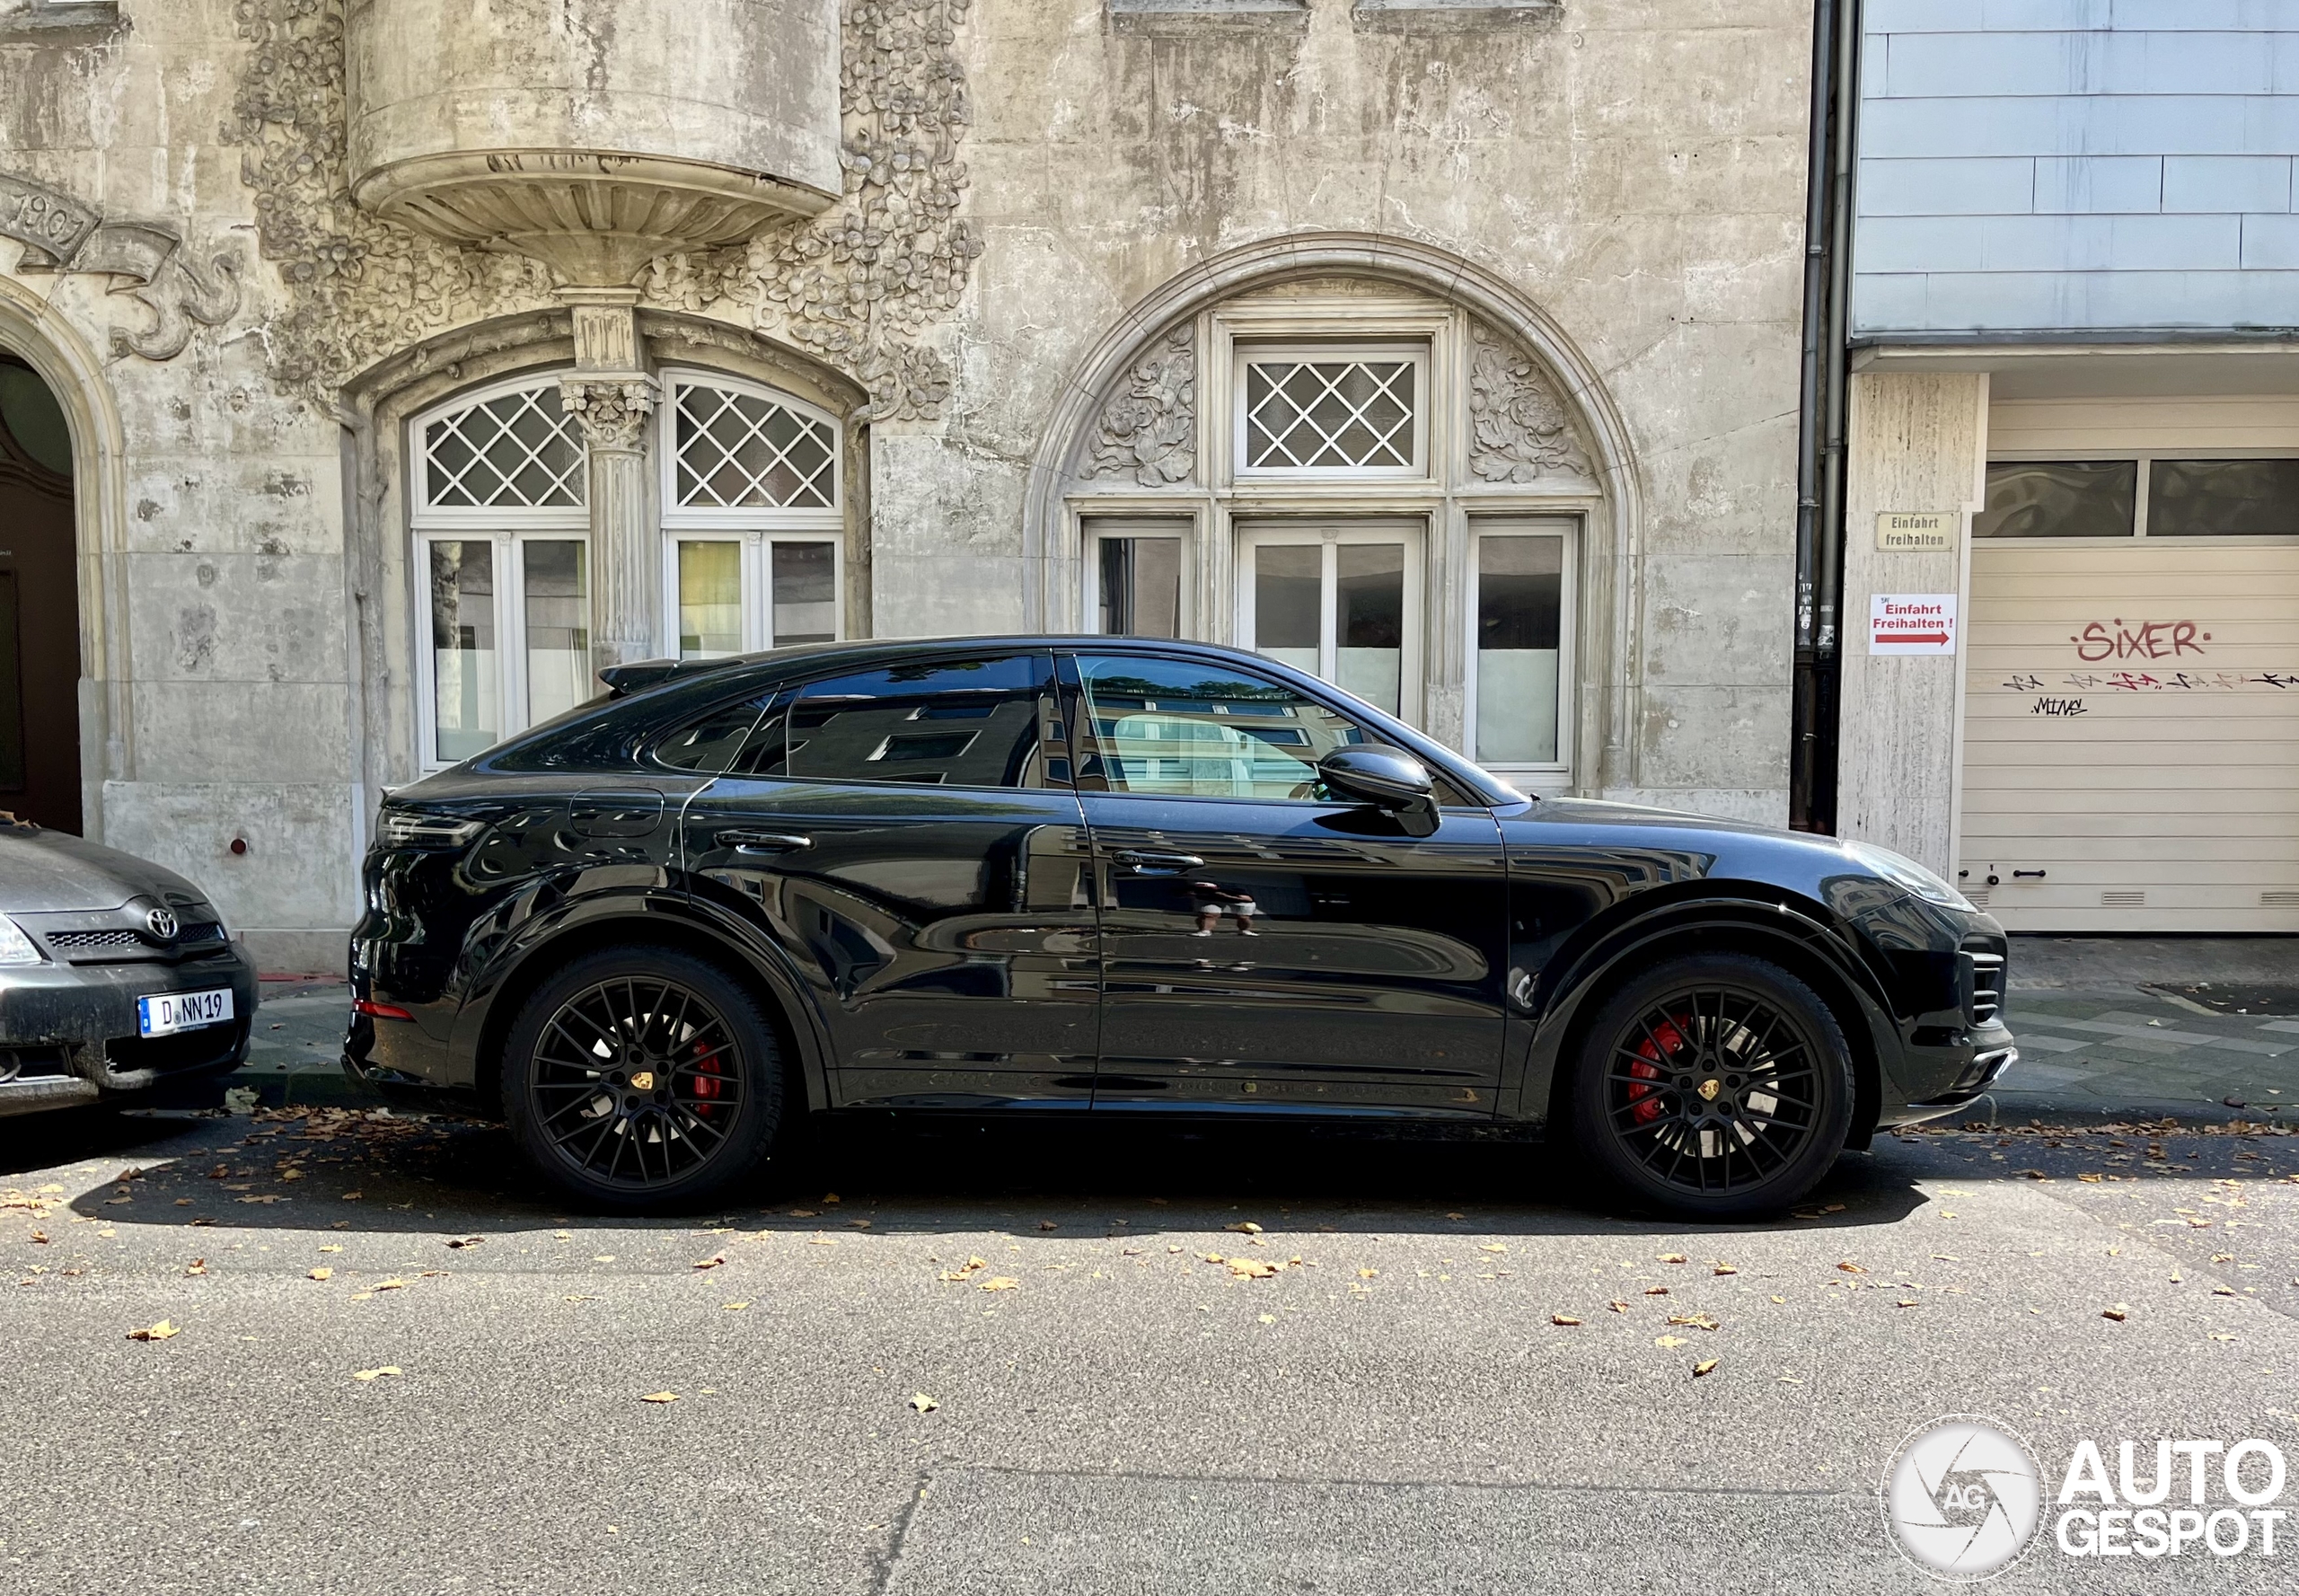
{"x":1820,"y":462}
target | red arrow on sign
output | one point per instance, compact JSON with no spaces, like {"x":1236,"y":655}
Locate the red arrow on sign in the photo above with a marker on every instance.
{"x":1911,"y":636}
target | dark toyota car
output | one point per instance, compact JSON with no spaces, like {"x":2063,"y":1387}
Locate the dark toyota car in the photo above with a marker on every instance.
{"x":1108,"y":877}
{"x":118,"y":983}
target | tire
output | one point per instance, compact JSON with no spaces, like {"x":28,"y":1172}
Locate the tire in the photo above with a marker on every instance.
{"x":644,"y":1079}
{"x":1713,"y":1086}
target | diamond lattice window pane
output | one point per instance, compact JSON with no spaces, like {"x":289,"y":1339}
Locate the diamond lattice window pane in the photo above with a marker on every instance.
{"x":518,"y":449}
{"x":738,"y":450}
{"x":1329,"y":415}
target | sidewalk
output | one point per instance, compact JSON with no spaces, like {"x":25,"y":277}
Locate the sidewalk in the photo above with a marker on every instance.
{"x":2195,"y":1027}
{"x":2115,"y":1027}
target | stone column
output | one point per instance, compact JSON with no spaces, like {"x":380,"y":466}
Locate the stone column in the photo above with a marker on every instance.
{"x":611,"y":395}
{"x":1917,"y":445}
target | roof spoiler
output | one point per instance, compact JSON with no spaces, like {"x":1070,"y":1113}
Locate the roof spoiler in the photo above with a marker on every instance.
{"x":623,"y":680}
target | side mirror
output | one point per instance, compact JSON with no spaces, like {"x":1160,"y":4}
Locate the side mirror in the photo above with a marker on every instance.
{"x":1391,"y":782}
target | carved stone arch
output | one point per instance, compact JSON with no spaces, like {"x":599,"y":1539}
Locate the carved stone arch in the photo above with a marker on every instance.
{"x":1560,"y":416}
{"x":35,"y":332}
{"x":375,"y":409}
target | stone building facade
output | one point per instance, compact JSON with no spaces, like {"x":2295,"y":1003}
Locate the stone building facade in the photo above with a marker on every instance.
{"x":373,"y":371}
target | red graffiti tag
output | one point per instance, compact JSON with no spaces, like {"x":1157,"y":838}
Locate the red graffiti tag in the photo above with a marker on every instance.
{"x":2146,"y":640}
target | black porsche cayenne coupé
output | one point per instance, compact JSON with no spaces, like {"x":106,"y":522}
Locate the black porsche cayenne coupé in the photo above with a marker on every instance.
{"x":1097,"y":876}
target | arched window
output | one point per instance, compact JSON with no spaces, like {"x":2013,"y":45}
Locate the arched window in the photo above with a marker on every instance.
{"x":751,"y":514}
{"x":1367,"y":482}
{"x":502,"y":568}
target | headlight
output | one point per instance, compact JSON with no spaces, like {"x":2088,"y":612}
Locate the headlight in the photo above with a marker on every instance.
{"x":1905,"y":873}
{"x":15,"y":948}
{"x":412,"y":828}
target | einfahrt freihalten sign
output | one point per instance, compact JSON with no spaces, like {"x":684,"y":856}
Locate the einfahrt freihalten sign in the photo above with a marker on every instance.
{"x":1912,"y":623}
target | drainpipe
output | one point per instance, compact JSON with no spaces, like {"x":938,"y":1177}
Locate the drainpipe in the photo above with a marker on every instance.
{"x":1822,"y":417}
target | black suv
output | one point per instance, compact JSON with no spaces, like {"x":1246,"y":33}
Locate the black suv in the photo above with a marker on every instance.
{"x":1094,"y":876}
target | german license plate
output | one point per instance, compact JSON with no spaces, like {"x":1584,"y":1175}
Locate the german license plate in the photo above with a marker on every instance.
{"x":165,"y":1014}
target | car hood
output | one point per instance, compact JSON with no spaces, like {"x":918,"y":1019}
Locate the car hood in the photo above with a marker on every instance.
{"x":45,"y":871}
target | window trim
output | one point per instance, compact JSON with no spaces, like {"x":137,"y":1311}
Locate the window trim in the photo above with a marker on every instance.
{"x":1567,"y":531}
{"x":2144,"y":461}
{"x":675,"y":381}
{"x":1330,"y":533}
{"x":504,"y":526}
{"x":1248,"y":352}
{"x":1095,"y":527}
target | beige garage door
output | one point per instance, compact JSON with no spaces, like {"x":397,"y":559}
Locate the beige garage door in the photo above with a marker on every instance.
{"x":2131,"y":735}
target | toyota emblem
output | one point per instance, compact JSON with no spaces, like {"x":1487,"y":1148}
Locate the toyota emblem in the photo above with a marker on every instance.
{"x":163,"y":922}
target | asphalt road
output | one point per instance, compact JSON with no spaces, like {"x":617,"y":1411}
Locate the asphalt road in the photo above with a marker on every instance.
{"x":1381,"y":1401}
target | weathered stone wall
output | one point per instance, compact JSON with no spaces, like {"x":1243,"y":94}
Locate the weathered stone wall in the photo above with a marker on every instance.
{"x":1016,"y":174}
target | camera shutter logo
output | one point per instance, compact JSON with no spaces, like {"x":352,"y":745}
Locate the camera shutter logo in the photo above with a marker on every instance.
{"x":1962,"y":1499}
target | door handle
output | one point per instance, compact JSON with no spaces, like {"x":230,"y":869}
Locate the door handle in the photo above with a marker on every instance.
{"x":1149,"y":861}
{"x":747,"y":842}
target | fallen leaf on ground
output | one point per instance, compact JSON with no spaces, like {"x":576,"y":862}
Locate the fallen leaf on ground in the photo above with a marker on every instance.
{"x":1669,"y":1341}
{"x":1705,"y":1366}
{"x":660,"y":1397}
{"x":389,"y":1285}
{"x":1849,"y":1267}
{"x":2118,"y":1313}
{"x":712,"y":1262}
{"x":1368,"y":1273}
{"x":40,"y":1237}
{"x":197,"y":1265}
{"x":1251,"y":1269}
{"x":323,"y":1272}
{"x":265,"y":1197}
{"x":331,"y":1248}
{"x":351,"y":1196}
{"x":732,"y":1307}
{"x":1618,"y":1307}
{"x":1243,"y":1227}
{"x":1672,"y":1258}
{"x":1907,"y":1302}
{"x":1490,"y":1247}
{"x":2221,"y":1335}
{"x":864,"y":1224}
{"x":159,"y":1332}
{"x":1656,"y":1290}
{"x":924,"y":1403}
{"x":1726,"y":1269}
{"x":999,"y":1282}
{"x":391,"y":1369}
{"x":1698,"y":1321}
{"x":965,"y":1269}
{"x":461,"y":1242}
{"x":1562,"y":1318}
{"x":804,"y":1212}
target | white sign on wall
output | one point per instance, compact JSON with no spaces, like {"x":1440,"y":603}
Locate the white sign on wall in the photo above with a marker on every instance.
{"x":1912,"y":623}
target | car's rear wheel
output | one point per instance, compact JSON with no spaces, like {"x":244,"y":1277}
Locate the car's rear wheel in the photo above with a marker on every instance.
{"x":1712,"y":1087}
{"x":644,"y":1078}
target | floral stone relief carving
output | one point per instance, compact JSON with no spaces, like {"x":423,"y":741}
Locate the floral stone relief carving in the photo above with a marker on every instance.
{"x":859,"y":286}
{"x":144,"y":260}
{"x":1520,"y":430}
{"x":1148,"y":429}
{"x":612,"y":414}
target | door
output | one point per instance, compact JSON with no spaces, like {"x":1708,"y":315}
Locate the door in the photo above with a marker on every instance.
{"x":2131,"y":734}
{"x":910,"y":838}
{"x":1340,"y":600}
{"x":39,"y":608}
{"x":1263,"y":944}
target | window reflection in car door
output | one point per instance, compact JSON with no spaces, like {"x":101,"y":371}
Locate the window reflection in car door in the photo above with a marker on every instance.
{"x":1266,"y":943}
{"x":909,"y":837}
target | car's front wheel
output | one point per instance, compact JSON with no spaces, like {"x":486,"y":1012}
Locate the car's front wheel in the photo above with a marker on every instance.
{"x":643,"y":1078}
{"x":1713,"y":1086}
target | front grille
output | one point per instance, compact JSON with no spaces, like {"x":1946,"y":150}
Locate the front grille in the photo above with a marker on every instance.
{"x":74,"y":939}
{"x":33,"y":1063}
{"x":1987,"y":987}
{"x":204,"y":930}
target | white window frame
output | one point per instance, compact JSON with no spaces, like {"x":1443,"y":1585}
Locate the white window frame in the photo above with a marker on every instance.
{"x":1247,"y":355}
{"x":1329,"y":535}
{"x":1094,"y":529}
{"x":504,"y":526}
{"x":757,"y":528}
{"x":1552,"y":775}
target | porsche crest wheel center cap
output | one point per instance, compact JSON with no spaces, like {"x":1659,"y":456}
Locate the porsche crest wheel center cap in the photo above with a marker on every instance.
{"x":644,"y":1082}
{"x":1710,"y":1087}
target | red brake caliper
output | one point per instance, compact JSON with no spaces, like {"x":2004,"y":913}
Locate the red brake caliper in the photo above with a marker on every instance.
{"x":707,"y":1071}
{"x":1646,"y":1066}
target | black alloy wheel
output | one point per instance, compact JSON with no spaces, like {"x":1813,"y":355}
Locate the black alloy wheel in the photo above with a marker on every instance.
{"x":1713,"y":1086}
{"x":643,"y":1078}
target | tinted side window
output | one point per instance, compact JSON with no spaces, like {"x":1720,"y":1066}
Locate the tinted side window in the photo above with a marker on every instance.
{"x":1181,"y":730}
{"x":953,"y":723}
{"x":707,"y":743}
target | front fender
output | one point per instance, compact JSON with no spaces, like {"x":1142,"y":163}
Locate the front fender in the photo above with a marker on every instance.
{"x":1793,"y":932}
